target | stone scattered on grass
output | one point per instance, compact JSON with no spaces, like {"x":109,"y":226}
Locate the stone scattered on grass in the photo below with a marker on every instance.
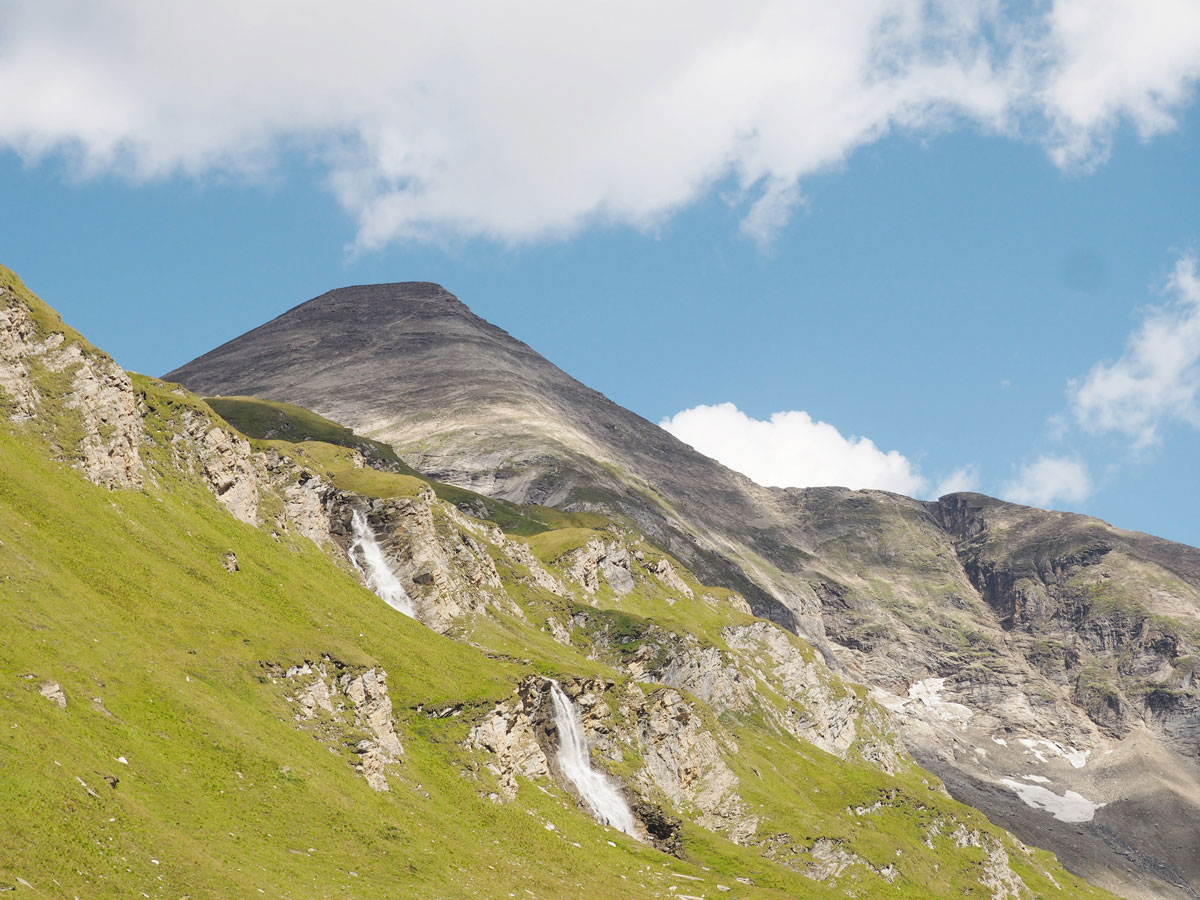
{"x":53,"y":692}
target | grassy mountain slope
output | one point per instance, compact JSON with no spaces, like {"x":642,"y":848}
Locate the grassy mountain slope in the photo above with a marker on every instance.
{"x":176,"y":763}
{"x":1038,"y":628}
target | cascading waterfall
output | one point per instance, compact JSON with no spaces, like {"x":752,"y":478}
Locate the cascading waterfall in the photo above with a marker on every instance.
{"x":374,"y":567}
{"x":597,"y":791}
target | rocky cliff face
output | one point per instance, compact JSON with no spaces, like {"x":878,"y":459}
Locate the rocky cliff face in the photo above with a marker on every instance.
{"x":85,"y":399}
{"x":348,"y":711}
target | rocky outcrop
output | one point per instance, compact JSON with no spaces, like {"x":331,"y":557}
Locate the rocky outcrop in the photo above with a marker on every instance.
{"x":684,"y":760}
{"x":357,"y":701}
{"x":827,"y":860}
{"x":509,"y":734}
{"x":100,"y":428}
{"x":665,"y":572}
{"x":439,"y":554}
{"x":998,"y":875}
{"x":53,"y":692}
{"x":597,"y":559}
{"x":304,"y":501}
{"x":102,"y":394}
{"x":818,"y":709}
{"x":225,"y":460}
{"x":520,"y":553}
{"x":17,"y":341}
{"x":705,"y":672}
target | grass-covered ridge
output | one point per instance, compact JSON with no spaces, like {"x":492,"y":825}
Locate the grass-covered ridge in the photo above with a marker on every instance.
{"x":122,"y":598}
{"x":273,"y":420}
{"x":329,"y":448}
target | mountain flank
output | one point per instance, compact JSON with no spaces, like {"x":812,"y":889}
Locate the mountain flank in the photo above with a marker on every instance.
{"x":237,"y":664}
{"x":1041,"y":662}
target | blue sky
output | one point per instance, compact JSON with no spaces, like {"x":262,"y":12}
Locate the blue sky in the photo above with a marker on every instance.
{"x":979,"y":288}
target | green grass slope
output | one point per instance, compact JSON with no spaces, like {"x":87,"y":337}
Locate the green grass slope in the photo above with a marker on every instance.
{"x":178,"y":769}
{"x":122,"y":599}
{"x":271,"y":420}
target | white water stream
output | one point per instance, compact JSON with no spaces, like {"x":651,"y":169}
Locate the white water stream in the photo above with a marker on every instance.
{"x":597,"y":791}
{"x":374,"y":567}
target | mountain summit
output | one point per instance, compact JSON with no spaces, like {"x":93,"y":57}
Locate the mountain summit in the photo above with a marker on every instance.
{"x":1040,"y":662}
{"x":465,"y":402}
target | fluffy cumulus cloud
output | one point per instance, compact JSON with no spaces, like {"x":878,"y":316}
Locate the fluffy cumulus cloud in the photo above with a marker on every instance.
{"x":792,"y":450}
{"x":1157,"y":378}
{"x":1050,"y":480}
{"x":523,"y":121}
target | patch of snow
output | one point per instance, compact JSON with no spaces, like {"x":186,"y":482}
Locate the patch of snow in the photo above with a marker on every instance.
{"x":1077,"y":758}
{"x":1001,"y":741}
{"x":1040,"y":779}
{"x":925,"y":701}
{"x":1070,"y":807}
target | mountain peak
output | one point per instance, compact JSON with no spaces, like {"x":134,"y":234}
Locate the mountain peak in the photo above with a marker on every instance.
{"x":385,"y":299}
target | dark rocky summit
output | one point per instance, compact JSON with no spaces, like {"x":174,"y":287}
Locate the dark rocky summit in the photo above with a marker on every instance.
{"x":1043,"y":663}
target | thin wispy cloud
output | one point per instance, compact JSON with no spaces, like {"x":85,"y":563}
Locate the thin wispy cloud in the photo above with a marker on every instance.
{"x":1156,"y":380}
{"x":531,"y":121}
{"x":1153,"y":382}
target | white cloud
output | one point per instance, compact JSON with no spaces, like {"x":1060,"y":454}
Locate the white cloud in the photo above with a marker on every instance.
{"x":964,"y":478}
{"x":1114,"y":59}
{"x":792,"y":450}
{"x":531,"y":120}
{"x":1049,"y":480}
{"x":1157,"y":378}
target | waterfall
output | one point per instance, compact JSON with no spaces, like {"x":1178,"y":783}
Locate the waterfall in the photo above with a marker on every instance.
{"x":374,"y":567}
{"x":597,"y":791}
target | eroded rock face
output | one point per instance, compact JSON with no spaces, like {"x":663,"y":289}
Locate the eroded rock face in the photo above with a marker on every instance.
{"x":304,"y":500}
{"x":521,"y":554}
{"x":823,"y":713}
{"x":684,"y":761}
{"x":510,"y":735}
{"x":436,"y":552}
{"x":358,"y":700}
{"x":998,"y":875}
{"x":17,"y":336}
{"x":665,"y":572}
{"x":597,"y":559}
{"x":706,"y":673}
{"x":103,"y":395}
{"x":232,"y":471}
{"x":100,"y":394}
{"x":827,"y":860}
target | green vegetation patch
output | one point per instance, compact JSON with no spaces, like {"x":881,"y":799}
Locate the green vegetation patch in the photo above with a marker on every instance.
{"x":270,"y":420}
